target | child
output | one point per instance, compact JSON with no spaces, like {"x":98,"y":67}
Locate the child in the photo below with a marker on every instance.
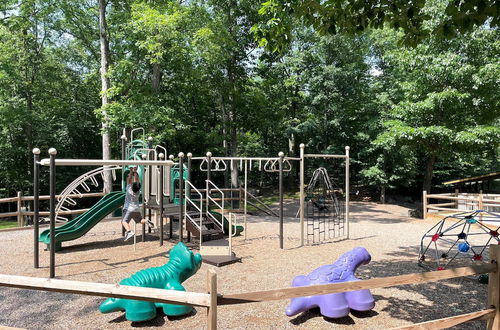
{"x":131,"y":207}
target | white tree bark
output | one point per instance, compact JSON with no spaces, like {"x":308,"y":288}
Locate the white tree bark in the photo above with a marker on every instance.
{"x":105,"y":85}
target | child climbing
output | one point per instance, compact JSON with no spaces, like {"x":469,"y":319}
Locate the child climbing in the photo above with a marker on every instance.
{"x":131,"y":207}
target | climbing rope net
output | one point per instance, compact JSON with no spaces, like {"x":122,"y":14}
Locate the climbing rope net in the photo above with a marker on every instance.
{"x":459,"y":239}
{"x":325,"y":210}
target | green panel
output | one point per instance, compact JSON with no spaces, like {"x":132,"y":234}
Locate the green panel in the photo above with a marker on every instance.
{"x":236,"y":229}
{"x":79,"y":226}
{"x":174,"y":177}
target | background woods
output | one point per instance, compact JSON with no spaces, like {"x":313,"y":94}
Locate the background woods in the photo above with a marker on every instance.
{"x":202,"y":75}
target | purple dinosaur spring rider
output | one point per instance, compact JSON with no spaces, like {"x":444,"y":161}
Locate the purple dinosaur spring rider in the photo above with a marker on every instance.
{"x":334,"y":305}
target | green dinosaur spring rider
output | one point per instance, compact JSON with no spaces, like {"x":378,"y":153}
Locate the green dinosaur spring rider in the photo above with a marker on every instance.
{"x":182,"y":264}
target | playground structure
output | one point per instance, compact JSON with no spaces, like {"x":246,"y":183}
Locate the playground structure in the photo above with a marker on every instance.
{"x":216,"y":298}
{"x":169,"y":192}
{"x":325,"y":210}
{"x":459,"y":238}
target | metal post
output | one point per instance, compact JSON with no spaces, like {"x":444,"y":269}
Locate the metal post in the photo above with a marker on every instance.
{"x":172,"y":197}
{"x":143,"y":188}
{"x":281,"y":155}
{"x":36,"y":205}
{"x":160,"y":192}
{"x":189,"y":155}
{"x":150,"y":178}
{"x":52,"y":185}
{"x":124,"y":184}
{"x":209,"y":166}
{"x":245,"y":207}
{"x":347,"y":190}
{"x":181,"y":192}
{"x":301,"y":194}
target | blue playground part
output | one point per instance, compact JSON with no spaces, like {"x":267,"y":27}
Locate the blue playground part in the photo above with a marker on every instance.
{"x":463,"y":247}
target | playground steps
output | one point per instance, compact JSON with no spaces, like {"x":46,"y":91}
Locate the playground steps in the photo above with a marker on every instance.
{"x":208,"y":229}
{"x":217,"y":247}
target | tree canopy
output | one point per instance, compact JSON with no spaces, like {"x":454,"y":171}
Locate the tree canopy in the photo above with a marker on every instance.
{"x":410,"y":86}
{"x":414,"y":18}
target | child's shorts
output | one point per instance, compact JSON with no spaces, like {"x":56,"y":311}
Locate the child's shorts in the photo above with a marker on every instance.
{"x":131,"y":215}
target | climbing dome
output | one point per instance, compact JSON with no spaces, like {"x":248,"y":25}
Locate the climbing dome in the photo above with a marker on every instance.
{"x":459,"y":239}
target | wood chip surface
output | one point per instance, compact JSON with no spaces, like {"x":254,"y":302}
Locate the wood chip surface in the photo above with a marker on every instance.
{"x":391,"y":237}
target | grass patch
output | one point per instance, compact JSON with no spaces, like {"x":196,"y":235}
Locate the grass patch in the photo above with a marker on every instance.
{"x":7,"y":224}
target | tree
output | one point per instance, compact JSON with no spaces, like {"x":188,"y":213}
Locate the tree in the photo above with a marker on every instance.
{"x":443,"y":99}
{"x":356,"y":16}
{"x":105,"y":86}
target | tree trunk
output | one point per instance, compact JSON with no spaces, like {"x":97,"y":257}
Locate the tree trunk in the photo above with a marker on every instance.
{"x":156,"y":77}
{"x":234,"y":171}
{"x":105,"y":85}
{"x":382,"y":194}
{"x":429,"y":167}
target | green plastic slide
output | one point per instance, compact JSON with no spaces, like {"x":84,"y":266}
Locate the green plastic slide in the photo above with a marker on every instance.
{"x":79,"y":226}
{"x":236,"y":229}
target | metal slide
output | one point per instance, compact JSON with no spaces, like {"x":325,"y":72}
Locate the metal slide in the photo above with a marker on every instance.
{"x":79,"y":226}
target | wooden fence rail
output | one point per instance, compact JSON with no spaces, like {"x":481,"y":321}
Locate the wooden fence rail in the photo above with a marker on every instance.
{"x":20,"y":213}
{"x":288,"y":293}
{"x":461,"y":202}
{"x":211,"y":299}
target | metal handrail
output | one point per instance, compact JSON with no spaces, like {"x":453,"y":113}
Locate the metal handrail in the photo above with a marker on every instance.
{"x":199,"y":208}
{"x":191,"y":202}
{"x":231,"y":216}
{"x":210,"y":199}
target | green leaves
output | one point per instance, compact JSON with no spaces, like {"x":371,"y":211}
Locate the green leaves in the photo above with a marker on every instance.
{"x":413,"y":18}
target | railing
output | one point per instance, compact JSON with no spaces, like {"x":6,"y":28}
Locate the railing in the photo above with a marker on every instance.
{"x":72,"y":188}
{"x":492,"y":313}
{"x":460,"y":202}
{"x":21,"y":212}
{"x":196,"y":207}
{"x":210,"y":186}
{"x":213,"y":299}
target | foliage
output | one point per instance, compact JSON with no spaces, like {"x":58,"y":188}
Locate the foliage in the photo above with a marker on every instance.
{"x":194,"y":76}
{"x":356,"y":16}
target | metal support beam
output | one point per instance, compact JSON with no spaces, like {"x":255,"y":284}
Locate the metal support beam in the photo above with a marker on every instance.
{"x":160,"y":192}
{"x":181,"y":194}
{"x":347,"y":190}
{"x":301,"y":193}
{"x":36,"y":206}
{"x":189,"y":156}
{"x":52,"y":184}
{"x":281,"y":157}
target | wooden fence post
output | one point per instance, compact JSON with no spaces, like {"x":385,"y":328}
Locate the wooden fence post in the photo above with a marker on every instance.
{"x":212,"y":290}
{"x":494,"y":287}
{"x":20,"y":217}
{"x":480,"y":203}
{"x":424,"y":205}
{"x":457,"y":194}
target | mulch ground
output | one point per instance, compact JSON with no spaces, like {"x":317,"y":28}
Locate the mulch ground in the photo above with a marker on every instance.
{"x":391,"y":237}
